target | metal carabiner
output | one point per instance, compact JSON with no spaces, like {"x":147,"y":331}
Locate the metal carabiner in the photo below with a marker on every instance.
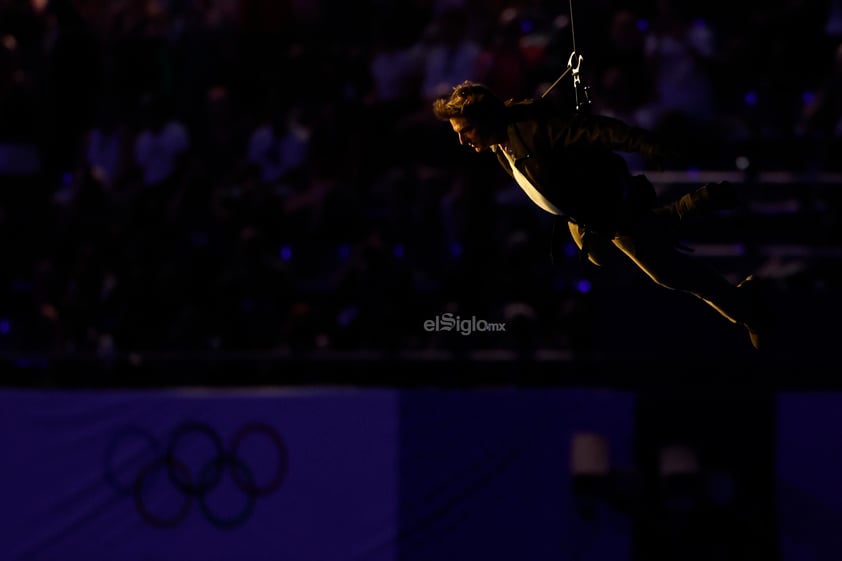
{"x":577,"y":82}
{"x":575,"y":69}
{"x":570,"y":68}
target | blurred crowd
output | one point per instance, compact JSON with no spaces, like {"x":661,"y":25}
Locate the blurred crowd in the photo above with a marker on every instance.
{"x":267,"y":174}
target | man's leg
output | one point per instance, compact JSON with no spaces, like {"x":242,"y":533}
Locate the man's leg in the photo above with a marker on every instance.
{"x":654,"y":253}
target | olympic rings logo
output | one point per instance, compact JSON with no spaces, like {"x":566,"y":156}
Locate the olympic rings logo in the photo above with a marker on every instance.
{"x":195,"y":466}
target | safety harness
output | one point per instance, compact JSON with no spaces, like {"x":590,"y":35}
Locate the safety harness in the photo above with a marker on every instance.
{"x":583,"y":105}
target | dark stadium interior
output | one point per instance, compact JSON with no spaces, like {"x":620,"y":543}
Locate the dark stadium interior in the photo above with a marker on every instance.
{"x":254,"y":195}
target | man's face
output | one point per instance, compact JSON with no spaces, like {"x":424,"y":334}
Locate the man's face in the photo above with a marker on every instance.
{"x":470,"y":135}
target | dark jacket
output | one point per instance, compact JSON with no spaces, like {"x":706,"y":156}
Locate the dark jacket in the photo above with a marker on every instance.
{"x":570,"y":158}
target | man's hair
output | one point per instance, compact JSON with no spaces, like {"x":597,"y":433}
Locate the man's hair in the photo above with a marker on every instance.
{"x":473,"y":101}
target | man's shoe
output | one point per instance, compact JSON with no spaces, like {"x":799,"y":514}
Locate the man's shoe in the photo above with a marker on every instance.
{"x":708,"y":198}
{"x":716,"y":196}
{"x":760,"y":324}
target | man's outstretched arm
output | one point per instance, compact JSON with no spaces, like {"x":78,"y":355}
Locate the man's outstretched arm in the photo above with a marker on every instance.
{"x":616,"y":134}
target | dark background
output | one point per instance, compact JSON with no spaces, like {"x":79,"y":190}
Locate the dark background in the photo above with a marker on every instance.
{"x":256,"y":193}
{"x":265,"y":180}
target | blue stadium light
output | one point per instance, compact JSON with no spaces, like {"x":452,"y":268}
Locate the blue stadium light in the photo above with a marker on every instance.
{"x":344,"y":251}
{"x":348,"y":316}
{"x":584,"y":286}
{"x":456,"y":249}
{"x":570,"y":249}
{"x":750,"y":98}
{"x":398,"y":251}
{"x":5,"y":326}
{"x":526,"y":26}
{"x":642,"y":25}
{"x":286,"y":252}
{"x":807,"y":97}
